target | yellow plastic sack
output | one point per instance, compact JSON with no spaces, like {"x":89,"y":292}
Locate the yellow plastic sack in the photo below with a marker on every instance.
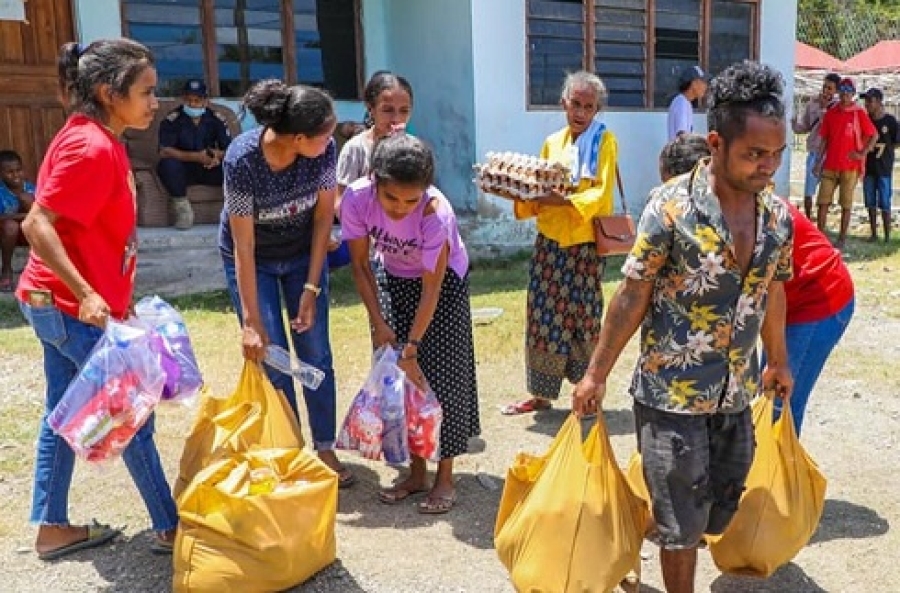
{"x":256,"y":522}
{"x":255,"y":414}
{"x":781,"y":507}
{"x":568,"y":521}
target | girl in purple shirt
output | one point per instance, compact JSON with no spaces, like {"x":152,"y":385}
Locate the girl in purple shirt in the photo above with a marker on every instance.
{"x":412,"y":225}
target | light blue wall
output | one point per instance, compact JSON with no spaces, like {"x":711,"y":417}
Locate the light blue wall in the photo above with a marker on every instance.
{"x":504,"y":121}
{"x":430,"y":43}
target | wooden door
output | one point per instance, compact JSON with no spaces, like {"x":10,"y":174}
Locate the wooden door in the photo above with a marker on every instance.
{"x":30,"y":113}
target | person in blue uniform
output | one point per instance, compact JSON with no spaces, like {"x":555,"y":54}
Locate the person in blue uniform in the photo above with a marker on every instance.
{"x":192,"y":141}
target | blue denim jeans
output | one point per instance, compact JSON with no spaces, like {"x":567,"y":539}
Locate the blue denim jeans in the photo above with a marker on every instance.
{"x":67,"y":343}
{"x":808,"y":346}
{"x":279,"y":285}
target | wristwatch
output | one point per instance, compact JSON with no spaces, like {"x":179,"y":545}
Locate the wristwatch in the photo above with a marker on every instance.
{"x":316,"y":290}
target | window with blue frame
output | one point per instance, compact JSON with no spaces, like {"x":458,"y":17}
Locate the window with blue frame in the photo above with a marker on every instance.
{"x":234,"y":43}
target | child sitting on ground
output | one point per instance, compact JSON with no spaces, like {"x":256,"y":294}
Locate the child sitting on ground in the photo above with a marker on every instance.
{"x":16,"y":197}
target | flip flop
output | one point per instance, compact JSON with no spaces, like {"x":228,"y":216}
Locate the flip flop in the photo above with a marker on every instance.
{"x":437,"y":505}
{"x":398,"y":495}
{"x":346,"y":478}
{"x":525,"y":406}
{"x":161,"y":547}
{"x":97,"y":536}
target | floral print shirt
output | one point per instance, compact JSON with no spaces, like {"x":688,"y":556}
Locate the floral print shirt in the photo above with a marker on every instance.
{"x":699,"y":336}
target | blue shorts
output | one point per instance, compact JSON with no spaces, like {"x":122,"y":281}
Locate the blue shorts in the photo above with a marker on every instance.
{"x":811,"y":183}
{"x":877,"y":192}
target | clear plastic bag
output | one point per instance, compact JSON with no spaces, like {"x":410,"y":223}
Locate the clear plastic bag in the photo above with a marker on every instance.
{"x":183,"y":378}
{"x":281,"y":360}
{"x":112,"y":396}
{"x":376,"y":423}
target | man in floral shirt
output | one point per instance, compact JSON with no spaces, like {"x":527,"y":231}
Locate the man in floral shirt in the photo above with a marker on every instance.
{"x":705,"y":282}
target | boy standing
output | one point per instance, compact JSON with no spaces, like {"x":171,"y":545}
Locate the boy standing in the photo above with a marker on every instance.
{"x":877,"y":183}
{"x":847,"y":136}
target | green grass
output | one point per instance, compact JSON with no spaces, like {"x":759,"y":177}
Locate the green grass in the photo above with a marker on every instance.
{"x":499,"y":344}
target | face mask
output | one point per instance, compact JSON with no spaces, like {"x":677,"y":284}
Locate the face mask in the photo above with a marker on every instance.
{"x":193,"y":111}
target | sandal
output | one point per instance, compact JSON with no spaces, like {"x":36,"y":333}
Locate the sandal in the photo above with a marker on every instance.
{"x":526,"y":406}
{"x":97,"y":535}
{"x":162,"y":546}
{"x":437,"y":505}
{"x":346,"y":478}
{"x":398,"y":495}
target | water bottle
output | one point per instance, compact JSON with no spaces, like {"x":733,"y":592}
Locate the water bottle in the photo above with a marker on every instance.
{"x":280,"y":359}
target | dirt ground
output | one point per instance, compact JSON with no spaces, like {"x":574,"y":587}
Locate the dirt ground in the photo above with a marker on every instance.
{"x":852,"y":430}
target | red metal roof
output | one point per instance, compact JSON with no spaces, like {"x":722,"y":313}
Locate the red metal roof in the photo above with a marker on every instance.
{"x":811,"y":58}
{"x":883,"y":55}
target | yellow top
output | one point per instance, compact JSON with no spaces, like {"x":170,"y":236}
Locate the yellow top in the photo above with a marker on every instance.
{"x":571,"y":224}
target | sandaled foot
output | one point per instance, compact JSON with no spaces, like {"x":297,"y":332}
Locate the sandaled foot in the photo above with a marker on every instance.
{"x":346,"y":478}
{"x":163,"y":543}
{"x":398,"y":494}
{"x":526,"y":406}
{"x":437,"y":504}
{"x":96,"y":535}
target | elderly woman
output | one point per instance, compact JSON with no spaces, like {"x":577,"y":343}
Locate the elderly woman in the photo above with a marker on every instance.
{"x":565,"y":294}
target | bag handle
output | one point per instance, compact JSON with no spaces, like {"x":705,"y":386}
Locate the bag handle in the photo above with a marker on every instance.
{"x":621,"y":190}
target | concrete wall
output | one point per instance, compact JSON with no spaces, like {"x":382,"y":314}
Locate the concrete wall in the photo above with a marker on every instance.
{"x":430,"y":43}
{"x":503,"y":122}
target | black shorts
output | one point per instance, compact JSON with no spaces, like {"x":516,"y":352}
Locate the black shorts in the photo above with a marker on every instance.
{"x":695,"y":467}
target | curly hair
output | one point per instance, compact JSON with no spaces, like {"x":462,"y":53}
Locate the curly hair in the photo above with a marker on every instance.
{"x":741,"y":89}
{"x":681,"y":154}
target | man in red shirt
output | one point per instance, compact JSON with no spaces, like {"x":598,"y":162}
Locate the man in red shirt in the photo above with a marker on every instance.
{"x":847,"y":136}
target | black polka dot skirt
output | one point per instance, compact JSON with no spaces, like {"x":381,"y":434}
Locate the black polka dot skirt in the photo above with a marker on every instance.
{"x":447,"y":353}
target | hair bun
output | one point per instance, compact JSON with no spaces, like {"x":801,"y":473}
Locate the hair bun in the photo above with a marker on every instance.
{"x":267,"y":100}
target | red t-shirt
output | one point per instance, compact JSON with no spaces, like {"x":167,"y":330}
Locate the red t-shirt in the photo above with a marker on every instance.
{"x":821,"y":285}
{"x":86,"y":180}
{"x":845,"y":130}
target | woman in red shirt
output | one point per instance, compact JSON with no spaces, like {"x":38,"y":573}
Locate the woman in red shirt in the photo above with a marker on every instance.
{"x":81,"y":271}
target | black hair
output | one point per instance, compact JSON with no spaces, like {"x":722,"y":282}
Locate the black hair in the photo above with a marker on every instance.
{"x":833,"y":77}
{"x":681,"y":154}
{"x":384,"y":80}
{"x":741,"y":89}
{"x":403,"y":159}
{"x":290,"y":110}
{"x":10,"y":156}
{"x":115,"y":62}
{"x":380,"y":81}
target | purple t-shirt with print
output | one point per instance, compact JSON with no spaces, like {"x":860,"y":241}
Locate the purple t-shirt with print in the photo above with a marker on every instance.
{"x":410,"y":246}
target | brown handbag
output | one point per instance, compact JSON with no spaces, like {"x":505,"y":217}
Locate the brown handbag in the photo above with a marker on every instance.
{"x":615,"y":234}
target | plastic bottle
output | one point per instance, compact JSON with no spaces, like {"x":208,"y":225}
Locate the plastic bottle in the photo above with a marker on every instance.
{"x":280,"y":359}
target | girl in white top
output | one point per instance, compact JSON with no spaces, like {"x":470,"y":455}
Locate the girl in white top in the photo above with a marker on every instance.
{"x":389,"y":101}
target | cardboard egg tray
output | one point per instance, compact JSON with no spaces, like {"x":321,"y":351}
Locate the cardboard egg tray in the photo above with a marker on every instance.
{"x":521,"y":176}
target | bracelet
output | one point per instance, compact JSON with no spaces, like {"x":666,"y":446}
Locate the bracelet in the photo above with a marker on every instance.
{"x":316,"y":290}
{"x":410,"y":357}
{"x":416,"y":343}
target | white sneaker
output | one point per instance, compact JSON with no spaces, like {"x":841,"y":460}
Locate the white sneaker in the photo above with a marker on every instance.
{"x":184,"y":214}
